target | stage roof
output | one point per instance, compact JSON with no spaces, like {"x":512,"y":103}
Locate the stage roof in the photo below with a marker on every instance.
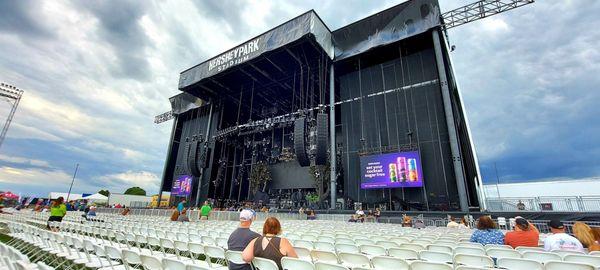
{"x":393,"y":24}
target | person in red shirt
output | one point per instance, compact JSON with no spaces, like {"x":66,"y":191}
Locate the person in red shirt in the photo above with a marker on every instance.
{"x":524,"y":235}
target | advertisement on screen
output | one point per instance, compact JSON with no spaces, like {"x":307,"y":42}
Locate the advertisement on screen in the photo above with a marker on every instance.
{"x":392,"y":170}
{"x":182,"y":186}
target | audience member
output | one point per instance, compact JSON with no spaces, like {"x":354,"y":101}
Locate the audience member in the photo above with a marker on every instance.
{"x":269,"y":246}
{"x":91,"y":212}
{"x":463,"y":224}
{"x":596,"y":232}
{"x":452,"y":223}
{"x":559,"y":240}
{"x":175,"y":215}
{"x":311,"y":215}
{"x":57,"y":211}
{"x":585,"y":235}
{"x":524,"y":235}
{"x":181,"y":205}
{"x":487,"y":232}
{"x":406,"y":221}
{"x":183,"y":217}
{"x":377,"y":213}
{"x":419,"y":224}
{"x":241,"y":237}
{"x":125,"y":211}
{"x":205,"y":211}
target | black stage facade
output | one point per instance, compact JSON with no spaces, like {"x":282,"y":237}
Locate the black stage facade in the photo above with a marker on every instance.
{"x":292,"y":111}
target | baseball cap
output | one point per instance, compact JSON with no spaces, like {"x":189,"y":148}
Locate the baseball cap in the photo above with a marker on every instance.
{"x":556,"y":224}
{"x":246,"y":215}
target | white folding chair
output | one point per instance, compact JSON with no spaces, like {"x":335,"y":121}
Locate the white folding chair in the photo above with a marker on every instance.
{"x":234,"y":257}
{"x":441,"y":248}
{"x":389,"y":263}
{"x":403,"y":253}
{"x":589,"y":259}
{"x":503,"y":253}
{"x":323,"y":256}
{"x":469,"y":250}
{"x":519,"y":264}
{"x":304,"y":244}
{"x":172,"y":264}
{"x":329,"y":266}
{"x":435,"y":256}
{"x":196,"y":267}
{"x":264,"y":264}
{"x":564,"y":253}
{"x":324,"y":246}
{"x":348,"y":248}
{"x":372,"y":250}
{"x":558,"y":265}
{"x":354,"y":260}
{"x":473,"y":260}
{"x":303,"y":253}
{"x":523,"y":249}
{"x":151,"y":263}
{"x":217,"y":254}
{"x":131,"y":258}
{"x":289,"y":263}
{"x":421,"y":265}
{"x":541,"y":257}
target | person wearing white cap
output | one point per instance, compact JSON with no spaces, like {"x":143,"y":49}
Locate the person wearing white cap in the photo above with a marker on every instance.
{"x":239,"y":239}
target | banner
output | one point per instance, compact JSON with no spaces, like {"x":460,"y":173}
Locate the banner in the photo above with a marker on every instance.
{"x":182,"y":186}
{"x":393,"y":170}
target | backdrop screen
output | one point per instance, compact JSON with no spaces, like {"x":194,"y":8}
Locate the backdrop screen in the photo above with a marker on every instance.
{"x":392,"y":170}
{"x":182,"y":186}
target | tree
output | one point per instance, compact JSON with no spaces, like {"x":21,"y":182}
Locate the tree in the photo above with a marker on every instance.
{"x":135,"y":191}
{"x":104,"y":192}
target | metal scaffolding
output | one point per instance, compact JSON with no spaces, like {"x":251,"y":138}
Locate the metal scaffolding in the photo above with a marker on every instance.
{"x":12,"y":95}
{"x":479,"y":10}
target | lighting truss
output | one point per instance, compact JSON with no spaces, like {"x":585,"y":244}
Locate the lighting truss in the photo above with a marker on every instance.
{"x":13,"y":96}
{"x":479,"y":10}
{"x":163,"y":117}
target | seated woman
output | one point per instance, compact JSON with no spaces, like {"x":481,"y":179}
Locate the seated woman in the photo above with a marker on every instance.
{"x":524,"y":235}
{"x":183,"y":216}
{"x":487,"y":232}
{"x":175,"y":215}
{"x":406,"y":221}
{"x":463,"y":224}
{"x":585,"y":234}
{"x":311,"y":215}
{"x":269,"y":246}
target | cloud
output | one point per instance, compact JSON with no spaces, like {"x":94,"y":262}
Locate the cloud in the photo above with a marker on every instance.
{"x":25,"y":161}
{"x":119,"y":182}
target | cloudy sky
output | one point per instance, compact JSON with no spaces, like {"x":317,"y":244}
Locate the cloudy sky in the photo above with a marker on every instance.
{"x":96,"y":72}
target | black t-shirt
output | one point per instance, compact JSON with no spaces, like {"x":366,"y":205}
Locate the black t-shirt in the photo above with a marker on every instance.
{"x":238,"y":240}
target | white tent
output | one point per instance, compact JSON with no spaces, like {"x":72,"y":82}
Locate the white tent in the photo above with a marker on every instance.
{"x":72,"y":196}
{"x":96,"y":198}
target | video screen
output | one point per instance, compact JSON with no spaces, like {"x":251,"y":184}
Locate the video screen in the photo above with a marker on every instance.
{"x":182,"y":186}
{"x":392,"y":170}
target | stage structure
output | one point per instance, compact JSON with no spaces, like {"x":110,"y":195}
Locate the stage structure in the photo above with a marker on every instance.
{"x":367,"y":113}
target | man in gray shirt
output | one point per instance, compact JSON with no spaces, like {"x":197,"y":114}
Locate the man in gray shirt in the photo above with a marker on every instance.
{"x":239,"y":239}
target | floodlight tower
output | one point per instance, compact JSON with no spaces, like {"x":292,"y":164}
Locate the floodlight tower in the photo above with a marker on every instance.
{"x":12,"y":95}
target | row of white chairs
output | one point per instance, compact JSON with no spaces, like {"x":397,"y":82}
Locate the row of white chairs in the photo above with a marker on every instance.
{"x":12,"y":259}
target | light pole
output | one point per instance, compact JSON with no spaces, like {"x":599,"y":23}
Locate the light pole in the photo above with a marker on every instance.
{"x":72,"y":181}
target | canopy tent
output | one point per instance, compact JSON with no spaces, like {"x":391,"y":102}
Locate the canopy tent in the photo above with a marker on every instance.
{"x":96,"y":198}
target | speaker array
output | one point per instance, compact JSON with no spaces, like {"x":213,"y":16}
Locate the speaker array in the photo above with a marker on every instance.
{"x":321,"y":141}
{"x":193,"y":158}
{"x":186,"y":157}
{"x":300,"y":142}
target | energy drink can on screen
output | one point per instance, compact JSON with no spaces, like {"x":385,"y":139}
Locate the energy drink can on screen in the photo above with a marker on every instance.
{"x":393,"y":173}
{"x":412,"y":170}
{"x":402,"y":168}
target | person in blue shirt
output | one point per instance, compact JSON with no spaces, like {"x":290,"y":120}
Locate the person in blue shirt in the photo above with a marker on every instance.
{"x":487,"y":232}
{"x":181,"y":205}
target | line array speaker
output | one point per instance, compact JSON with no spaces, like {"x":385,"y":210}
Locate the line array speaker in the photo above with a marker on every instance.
{"x":186,"y":156}
{"x":322,"y":133}
{"x":300,"y":142}
{"x":204,"y":157}
{"x":193,"y":158}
